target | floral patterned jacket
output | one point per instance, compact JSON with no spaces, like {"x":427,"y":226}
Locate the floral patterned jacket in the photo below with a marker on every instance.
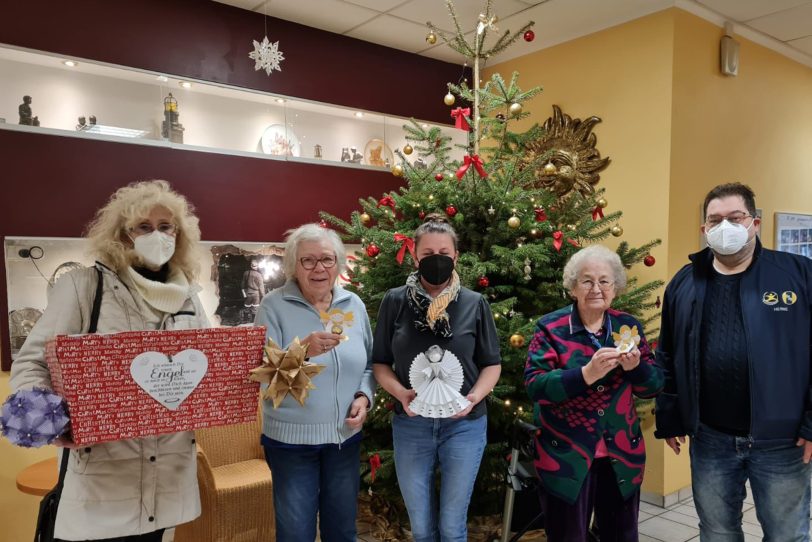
{"x":574,"y":417}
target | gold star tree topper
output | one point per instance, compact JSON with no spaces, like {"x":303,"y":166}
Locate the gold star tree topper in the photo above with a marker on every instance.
{"x":286,"y":372}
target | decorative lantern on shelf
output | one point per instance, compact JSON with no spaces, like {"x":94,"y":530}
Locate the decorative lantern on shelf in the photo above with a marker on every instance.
{"x":171,"y":128}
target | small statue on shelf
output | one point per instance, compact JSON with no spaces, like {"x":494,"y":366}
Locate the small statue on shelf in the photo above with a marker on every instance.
{"x":356,"y":156}
{"x":25,"y":113}
{"x":171,"y":128}
{"x":420,"y":164}
{"x":345,"y":154}
{"x":375,"y":156}
{"x":91,"y":120}
{"x":82,"y":124}
{"x":317,"y":151}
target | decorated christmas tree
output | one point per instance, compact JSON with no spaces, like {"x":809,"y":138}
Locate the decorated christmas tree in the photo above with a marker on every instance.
{"x":522,"y":203}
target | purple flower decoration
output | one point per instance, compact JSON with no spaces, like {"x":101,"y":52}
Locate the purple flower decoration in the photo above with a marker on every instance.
{"x":33,"y":418}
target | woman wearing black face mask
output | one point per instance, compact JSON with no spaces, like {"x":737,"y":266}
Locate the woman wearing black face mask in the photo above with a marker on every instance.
{"x":437,"y":352}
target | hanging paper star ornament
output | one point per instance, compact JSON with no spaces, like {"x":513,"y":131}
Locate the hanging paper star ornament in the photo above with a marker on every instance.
{"x":266,"y":55}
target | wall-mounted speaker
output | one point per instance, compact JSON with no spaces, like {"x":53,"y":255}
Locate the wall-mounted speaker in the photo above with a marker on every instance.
{"x":729,"y":56}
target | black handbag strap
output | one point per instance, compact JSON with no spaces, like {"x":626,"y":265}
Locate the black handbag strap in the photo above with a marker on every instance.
{"x":63,"y":468}
{"x":94,"y":314}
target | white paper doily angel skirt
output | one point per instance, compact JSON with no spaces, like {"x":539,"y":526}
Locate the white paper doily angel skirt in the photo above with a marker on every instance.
{"x":438,"y":385}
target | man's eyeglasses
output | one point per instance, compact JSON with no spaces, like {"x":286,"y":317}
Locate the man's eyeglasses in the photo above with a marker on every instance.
{"x":146,"y":228}
{"x":736,"y":217}
{"x":309,"y":263}
{"x":587,"y":285}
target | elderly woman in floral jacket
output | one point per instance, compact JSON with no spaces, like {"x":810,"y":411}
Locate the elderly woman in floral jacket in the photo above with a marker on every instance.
{"x":585,"y":363}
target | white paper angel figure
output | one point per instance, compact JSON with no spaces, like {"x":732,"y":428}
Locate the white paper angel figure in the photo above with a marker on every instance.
{"x":436,"y":376}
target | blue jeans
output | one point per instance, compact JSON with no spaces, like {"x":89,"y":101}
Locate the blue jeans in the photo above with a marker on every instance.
{"x":455,"y":446}
{"x":779,"y":479}
{"x":315,"y":480}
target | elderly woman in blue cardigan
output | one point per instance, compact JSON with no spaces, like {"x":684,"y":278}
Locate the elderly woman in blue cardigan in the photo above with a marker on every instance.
{"x":314,"y":450}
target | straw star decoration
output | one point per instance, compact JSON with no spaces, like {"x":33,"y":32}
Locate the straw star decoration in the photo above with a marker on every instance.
{"x":286,"y":372}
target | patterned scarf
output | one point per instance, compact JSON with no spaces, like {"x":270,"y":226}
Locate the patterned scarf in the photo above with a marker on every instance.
{"x":432,"y":311}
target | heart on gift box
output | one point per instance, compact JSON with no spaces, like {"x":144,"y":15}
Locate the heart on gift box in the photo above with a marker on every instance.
{"x":169,"y":379}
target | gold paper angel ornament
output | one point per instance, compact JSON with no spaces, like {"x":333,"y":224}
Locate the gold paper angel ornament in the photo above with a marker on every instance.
{"x":626,"y":339}
{"x":335,"y":320}
{"x":286,"y":372}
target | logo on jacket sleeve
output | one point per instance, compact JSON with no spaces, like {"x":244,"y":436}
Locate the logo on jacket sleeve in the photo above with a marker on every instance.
{"x":789,"y":297}
{"x":769,"y":298}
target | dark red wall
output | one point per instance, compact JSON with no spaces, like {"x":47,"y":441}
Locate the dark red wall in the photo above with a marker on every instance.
{"x":51,"y":185}
{"x":207,"y":40}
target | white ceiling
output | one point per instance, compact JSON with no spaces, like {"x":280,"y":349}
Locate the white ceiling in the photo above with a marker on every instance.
{"x":782,"y":25}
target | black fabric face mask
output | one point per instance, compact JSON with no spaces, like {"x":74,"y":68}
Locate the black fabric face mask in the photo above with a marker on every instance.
{"x":436,"y":269}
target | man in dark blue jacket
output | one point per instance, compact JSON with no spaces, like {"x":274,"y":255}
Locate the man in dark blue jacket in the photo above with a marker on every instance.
{"x":735,"y":348}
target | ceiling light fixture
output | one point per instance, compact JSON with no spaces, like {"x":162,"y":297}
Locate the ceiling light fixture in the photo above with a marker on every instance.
{"x":359,"y":114}
{"x":162,"y":78}
{"x":185,"y":84}
{"x":70,"y":63}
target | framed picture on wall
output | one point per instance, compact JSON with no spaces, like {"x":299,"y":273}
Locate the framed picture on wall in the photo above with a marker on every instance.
{"x":793,"y":233}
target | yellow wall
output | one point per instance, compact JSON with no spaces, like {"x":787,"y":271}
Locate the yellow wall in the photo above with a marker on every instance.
{"x":674,"y":127}
{"x":18,"y":511}
{"x":755,"y":128}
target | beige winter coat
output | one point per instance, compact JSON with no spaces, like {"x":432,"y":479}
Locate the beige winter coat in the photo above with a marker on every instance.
{"x":127,"y":487}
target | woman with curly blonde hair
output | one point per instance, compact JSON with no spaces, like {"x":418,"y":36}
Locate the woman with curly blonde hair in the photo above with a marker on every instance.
{"x":144,"y":239}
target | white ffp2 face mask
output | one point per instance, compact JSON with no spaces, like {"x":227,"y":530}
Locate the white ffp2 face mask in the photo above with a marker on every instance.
{"x":155,"y":248}
{"x":727,"y":238}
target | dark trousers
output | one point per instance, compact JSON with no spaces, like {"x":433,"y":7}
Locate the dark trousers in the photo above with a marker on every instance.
{"x":154,"y":536}
{"x":616,"y":518}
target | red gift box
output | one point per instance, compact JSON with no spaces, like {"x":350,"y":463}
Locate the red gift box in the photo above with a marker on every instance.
{"x":141,"y":383}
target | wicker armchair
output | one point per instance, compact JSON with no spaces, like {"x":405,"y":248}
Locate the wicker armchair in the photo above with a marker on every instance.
{"x":235,"y":488}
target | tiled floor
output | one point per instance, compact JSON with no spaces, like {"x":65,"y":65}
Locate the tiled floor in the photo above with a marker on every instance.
{"x":678,"y":523}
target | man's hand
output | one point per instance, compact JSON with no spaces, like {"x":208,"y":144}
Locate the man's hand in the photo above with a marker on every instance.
{"x":807,"y":444}
{"x":674,"y":443}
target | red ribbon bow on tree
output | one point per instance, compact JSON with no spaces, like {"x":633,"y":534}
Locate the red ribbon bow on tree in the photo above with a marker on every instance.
{"x":459,"y":115}
{"x":406,"y":242}
{"x":476,"y":161}
{"x":387,"y":201}
{"x":558,"y":240}
{"x":374,"y":465}
{"x":597,"y":212}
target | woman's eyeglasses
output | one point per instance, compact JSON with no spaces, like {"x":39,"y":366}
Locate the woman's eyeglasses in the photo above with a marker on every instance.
{"x":146,"y":228}
{"x":309,"y":263}
{"x":587,"y":285}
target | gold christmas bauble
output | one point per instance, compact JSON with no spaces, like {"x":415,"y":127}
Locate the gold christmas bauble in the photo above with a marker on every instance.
{"x":550,"y":169}
{"x":571,"y":227}
{"x":602,"y":203}
{"x":516,"y":340}
{"x":407,"y":149}
{"x":365,"y":219}
{"x":449,"y":99}
{"x":431,"y":38}
{"x":397,"y":170}
{"x":514,"y":222}
{"x":617,"y":231}
{"x":535,"y":233}
{"x":515,"y":109}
